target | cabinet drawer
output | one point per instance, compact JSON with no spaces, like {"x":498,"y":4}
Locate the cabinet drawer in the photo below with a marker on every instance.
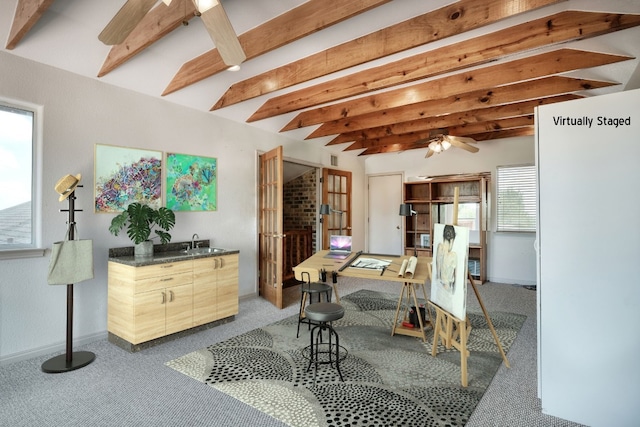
{"x":158,"y":270}
{"x":161,"y":282}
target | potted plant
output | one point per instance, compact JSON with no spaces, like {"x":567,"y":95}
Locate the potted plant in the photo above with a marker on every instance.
{"x":140,"y":220}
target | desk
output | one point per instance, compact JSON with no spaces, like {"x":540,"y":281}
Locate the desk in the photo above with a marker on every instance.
{"x":410,"y":284}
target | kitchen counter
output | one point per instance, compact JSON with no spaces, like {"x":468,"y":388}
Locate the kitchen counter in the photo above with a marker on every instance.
{"x":170,"y":252}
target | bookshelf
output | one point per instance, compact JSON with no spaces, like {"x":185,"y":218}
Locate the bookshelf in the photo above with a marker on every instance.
{"x":433,"y":199}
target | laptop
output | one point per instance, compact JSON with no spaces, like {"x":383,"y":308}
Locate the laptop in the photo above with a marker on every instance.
{"x":339,"y":247}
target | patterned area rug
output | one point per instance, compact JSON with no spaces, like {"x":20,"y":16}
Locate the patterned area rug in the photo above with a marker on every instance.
{"x":388,"y":380}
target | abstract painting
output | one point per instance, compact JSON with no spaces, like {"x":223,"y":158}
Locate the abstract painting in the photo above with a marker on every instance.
{"x":449,"y":267}
{"x":126,"y":175}
{"x":191,"y":183}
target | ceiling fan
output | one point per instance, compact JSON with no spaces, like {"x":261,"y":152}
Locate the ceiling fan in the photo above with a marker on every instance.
{"x":441,"y":141}
{"x":211,"y":12}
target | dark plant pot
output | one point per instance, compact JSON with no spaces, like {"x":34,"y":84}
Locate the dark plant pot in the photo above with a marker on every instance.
{"x":144,"y":249}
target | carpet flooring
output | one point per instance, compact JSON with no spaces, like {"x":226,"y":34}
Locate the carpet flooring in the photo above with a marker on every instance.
{"x":387,"y":380}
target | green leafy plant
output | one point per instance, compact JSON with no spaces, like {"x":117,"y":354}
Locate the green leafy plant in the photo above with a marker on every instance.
{"x":141,"y":219}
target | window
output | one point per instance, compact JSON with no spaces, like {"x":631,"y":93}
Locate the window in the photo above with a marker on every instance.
{"x":468,"y":216}
{"x":516,"y":188}
{"x":18,"y":157}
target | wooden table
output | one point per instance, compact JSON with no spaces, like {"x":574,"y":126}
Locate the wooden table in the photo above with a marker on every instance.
{"x":409,"y":289}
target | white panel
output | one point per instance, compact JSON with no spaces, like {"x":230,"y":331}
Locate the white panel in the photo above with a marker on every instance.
{"x":589,"y":244}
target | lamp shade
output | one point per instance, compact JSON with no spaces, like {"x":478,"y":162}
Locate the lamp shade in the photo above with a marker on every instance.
{"x":406,"y":209}
{"x":325,"y":210}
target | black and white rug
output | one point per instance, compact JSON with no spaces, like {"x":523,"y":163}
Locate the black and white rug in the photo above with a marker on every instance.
{"x":388,"y":380}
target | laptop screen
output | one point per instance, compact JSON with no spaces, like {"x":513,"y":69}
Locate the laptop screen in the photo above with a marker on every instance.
{"x":340,"y":243}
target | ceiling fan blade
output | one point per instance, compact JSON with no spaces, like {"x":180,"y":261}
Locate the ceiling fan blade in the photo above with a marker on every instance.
{"x":429,"y":153}
{"x":125,"y":21}
{"x":223,"y":35}
{"x":462,"y":142}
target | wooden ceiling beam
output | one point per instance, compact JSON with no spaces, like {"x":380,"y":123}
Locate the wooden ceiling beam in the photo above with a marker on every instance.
{"x":396,"y":148}
{"x":535,"y":66}
{"x":557,"y":28}
{"x":156,"y":24}
{"x":507,"y":133}
{"x":456,"y":18}
{"x":516,"y":109}
{"x":28,"y":12}
{"x":476,"y":128}
{"x":311,"y":16}
{"x":518,"y":92}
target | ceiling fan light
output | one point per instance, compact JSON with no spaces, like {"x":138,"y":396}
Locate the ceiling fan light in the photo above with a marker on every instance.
{"x":445,"y":145}
{"x":234,"y":68}
{"x":167,"y":2}
{"x":204,"y":5}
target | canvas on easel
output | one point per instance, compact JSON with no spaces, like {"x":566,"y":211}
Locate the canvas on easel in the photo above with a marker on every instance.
{"x":449,"y":267}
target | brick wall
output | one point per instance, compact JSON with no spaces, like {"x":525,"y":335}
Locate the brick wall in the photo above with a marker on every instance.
{"x":299,"y":203}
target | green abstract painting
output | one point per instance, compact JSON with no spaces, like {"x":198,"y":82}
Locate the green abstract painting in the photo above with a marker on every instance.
{"x":191,"y":183}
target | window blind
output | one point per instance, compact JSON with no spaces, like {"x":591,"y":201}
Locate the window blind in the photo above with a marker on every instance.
{"x":516,"y":188}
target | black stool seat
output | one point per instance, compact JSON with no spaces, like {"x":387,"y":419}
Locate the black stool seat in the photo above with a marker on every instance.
{"x":324,"y":352}
{"x":310,"y":287}
{"x":317,"y":287}
{"x":324,"y":312}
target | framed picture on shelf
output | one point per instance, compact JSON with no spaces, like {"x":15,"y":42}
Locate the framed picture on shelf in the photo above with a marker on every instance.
{"x":425,"y":240}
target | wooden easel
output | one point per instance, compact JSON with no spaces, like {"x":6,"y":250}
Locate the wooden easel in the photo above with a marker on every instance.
{"x":455,"y":332}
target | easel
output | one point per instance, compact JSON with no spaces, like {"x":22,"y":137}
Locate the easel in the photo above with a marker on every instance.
{"x":455,"y":332}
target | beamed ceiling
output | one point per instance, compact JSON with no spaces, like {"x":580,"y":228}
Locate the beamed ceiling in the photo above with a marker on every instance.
{"x":364,"y":76}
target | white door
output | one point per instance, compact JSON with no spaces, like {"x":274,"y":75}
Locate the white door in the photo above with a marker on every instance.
{"x":385,"y":223}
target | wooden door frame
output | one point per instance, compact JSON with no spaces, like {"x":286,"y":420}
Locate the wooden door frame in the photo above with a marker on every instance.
{"x":346,"y":207}
{"x":270,"y":264}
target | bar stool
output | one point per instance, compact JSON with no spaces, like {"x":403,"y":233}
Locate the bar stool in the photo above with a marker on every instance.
{"x":311,"y":285}
{"x":320,"y":352}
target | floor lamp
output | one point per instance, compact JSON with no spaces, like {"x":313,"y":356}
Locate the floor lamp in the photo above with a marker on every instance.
{"x":407,"y":210}
{"x":326,"y":210}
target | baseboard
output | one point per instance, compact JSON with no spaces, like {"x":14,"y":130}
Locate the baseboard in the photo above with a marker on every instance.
{"x":50,"y":349}
{"x":519,"y":282}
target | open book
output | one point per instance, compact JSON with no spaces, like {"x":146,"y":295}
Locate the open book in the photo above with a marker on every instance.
{"x":408,"y":267}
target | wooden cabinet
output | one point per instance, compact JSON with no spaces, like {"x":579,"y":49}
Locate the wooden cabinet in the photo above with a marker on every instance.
{"x":152,"y":301}
{"x":433,"y":199}
{"x":227,"y":286}
{"x":215,"y":288}
{"x":149,"y":302}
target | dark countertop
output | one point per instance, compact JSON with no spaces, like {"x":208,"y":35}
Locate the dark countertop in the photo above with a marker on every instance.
{"x":162,"y":254}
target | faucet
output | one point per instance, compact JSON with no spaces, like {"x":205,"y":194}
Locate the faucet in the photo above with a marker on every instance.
{"x":193,"y":240}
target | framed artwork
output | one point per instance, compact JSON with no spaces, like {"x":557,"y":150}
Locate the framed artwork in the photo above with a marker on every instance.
{"x":126,"y":175}
{"x":425,"y":240}
{"x":449,"y":269}
{"x":191,"y":183}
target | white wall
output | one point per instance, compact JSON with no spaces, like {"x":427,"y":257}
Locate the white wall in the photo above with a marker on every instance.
{"x":588,"y":291}
{"x":81,"y":112}
{"x":511,"y":256}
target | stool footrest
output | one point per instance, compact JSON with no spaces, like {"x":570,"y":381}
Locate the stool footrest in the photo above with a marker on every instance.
{"x":326,"y":353}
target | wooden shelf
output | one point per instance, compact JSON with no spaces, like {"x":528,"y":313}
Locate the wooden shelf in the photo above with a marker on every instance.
{"x":428,"y":198}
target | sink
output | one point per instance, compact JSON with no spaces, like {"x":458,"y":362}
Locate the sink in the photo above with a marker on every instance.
{"x":206,"y":250}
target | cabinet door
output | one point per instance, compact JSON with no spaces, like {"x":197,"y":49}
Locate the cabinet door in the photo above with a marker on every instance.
{"x":227,"y":286}
{"x":204,"y":290}
{"x":149,"y":315}
{"x":179,"y":308}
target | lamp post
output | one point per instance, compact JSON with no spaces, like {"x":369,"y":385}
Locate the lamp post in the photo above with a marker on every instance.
{"x":407,"y":210}
{"x":326,"y":210}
